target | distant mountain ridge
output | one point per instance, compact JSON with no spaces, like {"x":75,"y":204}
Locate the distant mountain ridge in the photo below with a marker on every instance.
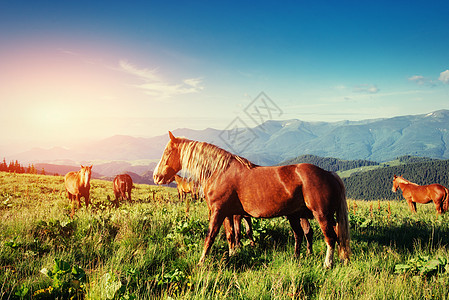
{"x":272,"y":142}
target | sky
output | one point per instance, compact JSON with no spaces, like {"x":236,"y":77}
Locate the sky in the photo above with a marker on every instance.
{"x":74,"y":71}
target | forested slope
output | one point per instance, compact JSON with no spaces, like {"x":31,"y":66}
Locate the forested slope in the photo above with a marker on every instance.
{"x":376,"y":184}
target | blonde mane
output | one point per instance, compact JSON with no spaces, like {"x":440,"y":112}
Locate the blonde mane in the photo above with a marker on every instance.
{"x":405,"y":181}
{"x":201,"y":159}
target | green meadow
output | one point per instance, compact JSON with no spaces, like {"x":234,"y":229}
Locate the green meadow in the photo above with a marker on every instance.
{"x":149,"y":249}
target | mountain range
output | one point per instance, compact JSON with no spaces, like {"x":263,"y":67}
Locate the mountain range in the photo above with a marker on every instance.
{"x":269,"y":143}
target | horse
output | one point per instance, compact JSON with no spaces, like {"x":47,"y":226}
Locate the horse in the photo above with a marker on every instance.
{"x":235,"y":186}
{"x":77,"y":185}
{"x":122,"y":185}
{"x":414,"y":193}
{"x":185,"y":187}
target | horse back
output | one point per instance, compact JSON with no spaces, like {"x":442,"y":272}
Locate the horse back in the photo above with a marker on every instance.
{"x":284,"y":190}
{"x":123,"y":182}
{"x":320,"y":188}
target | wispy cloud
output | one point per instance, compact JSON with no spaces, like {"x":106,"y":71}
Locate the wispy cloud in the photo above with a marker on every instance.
{"x":444,"y":77}
{"x":154,"y":85}
{"x":366,"y":89}
{"x":421,"y":80}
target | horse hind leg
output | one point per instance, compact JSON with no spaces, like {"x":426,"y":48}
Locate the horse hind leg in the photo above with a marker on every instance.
{"x":330,"y":236}
{"x":438,"y":207}
{"x":129,"y":196}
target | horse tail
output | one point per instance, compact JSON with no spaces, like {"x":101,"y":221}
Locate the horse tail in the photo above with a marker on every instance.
{"x":342,"y":227}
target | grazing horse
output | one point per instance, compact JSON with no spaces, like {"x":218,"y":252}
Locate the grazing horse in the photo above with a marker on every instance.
{"x":185,"y":187}
{"x":77,"y":185}
{"x":415,"y":193}
{"x":123,"y":185}
{"x":235,"y":186}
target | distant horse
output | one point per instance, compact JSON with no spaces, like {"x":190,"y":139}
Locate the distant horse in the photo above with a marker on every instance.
{"x":234,"y":186}
{"x":185,"y":187}
{"x":77,"y":185}
{"x":415,"y":193}
{"x":123,"y":185}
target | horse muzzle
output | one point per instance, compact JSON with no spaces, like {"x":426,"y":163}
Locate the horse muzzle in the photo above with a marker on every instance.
{"x":158,"y":179}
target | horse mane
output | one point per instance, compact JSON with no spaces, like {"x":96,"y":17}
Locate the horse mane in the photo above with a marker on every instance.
{"x":202,"y":159}
{"x":403,"y":180}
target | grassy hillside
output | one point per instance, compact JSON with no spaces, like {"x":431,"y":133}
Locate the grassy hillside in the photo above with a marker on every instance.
{"x":150,"y":249}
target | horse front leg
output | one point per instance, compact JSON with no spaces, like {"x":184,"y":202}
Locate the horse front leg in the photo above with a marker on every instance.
{"x":86,"y":199}
{"x":297,"y":231}
{"x":231,"y":234}
{"x":411,"y":204}
{"x":237,"y":229}
{"x":249,"y":230}
{"x":215,"y":221}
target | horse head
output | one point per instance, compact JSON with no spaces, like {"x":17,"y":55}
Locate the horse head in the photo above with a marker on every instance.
{"x":395,"y":184}
{"x":85,"y":173}
{"x":170,"y":162}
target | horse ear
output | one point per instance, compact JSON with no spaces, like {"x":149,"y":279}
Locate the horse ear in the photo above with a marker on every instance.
{"x":394,"y":176}
{"x":90,"y":167}
{"x":82,"y":166}
{"x":172,"y":137}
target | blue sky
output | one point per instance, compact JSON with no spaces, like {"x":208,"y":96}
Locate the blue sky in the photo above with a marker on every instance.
{"x":85,"y":69}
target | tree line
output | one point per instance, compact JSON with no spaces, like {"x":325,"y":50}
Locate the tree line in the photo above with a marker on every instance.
{"x":377,"y":184}
{"x":16,"y":167}
{"x":329,"y":163}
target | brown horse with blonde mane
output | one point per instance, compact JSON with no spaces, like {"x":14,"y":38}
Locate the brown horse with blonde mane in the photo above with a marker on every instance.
{"x":77,"y":185}
{"x":122,"y":185}
{"x":414,"y":193}
{"x":235,"y":186}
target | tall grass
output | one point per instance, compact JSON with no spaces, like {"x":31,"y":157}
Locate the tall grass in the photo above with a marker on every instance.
{"x":149,"y":249}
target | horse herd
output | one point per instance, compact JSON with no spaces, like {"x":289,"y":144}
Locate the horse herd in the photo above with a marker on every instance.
{"x":77,"y":185}
{"x":235,"y":189}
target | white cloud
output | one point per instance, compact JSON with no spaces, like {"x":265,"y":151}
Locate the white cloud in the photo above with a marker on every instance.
{"x":444,"y":77}
{"x":366,"y":89}
{"x":144,"y":74}
{"x":421,"y":80}
{"x":155,"y":85}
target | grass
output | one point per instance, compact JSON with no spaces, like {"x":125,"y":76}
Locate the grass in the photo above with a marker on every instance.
{"x":149,"y":249}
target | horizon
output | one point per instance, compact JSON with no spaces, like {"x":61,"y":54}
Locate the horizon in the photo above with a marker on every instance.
{"x":72,"y":74}
{"x":82,"y":142}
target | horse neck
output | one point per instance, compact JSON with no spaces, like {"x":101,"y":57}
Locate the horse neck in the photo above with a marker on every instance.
{"x":403,"y":183}
{"x":83,"y":179}
{"x":201,"y":160}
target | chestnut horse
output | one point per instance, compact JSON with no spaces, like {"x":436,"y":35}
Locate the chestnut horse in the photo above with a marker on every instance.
{"x":235,"y":186}
{"x":415,"y":193}
{"x":185,"y":187}
{"x":77,"y":185}
{"x":122,"y":185}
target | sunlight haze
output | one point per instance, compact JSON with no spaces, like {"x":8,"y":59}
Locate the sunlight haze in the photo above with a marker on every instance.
{"x":82,"y":70}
